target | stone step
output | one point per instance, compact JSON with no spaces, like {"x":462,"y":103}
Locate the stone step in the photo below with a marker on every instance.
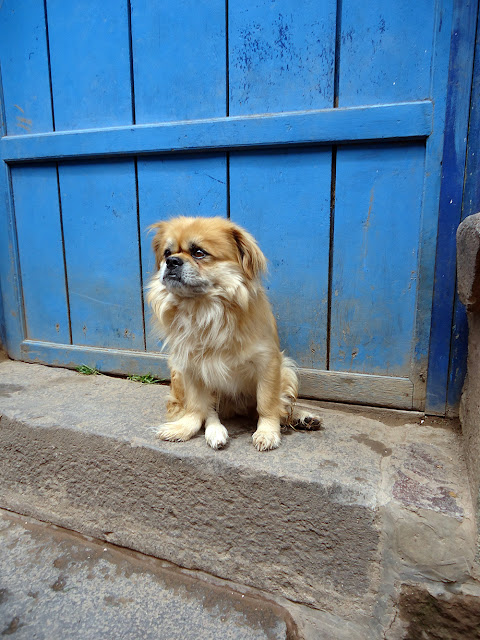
{"x":335,"y":519}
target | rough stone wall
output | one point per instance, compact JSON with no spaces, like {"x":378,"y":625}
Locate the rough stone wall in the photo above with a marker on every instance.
{"x":468,"y":278}
{"x":470,"y":406}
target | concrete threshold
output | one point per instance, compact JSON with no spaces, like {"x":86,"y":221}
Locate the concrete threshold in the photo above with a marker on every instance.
{"x":335,"y":520}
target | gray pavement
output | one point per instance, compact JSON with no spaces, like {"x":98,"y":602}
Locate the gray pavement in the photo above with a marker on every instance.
{"x":55,"y":585}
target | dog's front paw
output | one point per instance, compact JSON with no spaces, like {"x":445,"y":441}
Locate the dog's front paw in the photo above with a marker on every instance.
{"x":180,"y":430}
{"x":216,"y":435}
{"x":264,"y":440}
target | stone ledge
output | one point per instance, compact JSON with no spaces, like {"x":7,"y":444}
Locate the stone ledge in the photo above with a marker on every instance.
{"x":334,"y":519}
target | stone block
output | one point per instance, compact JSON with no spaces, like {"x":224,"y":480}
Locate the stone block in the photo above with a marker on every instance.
{"x":468,"y":262}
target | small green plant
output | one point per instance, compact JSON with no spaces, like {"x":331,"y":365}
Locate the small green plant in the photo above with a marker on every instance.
{"x":88,"y":371}
{"x":146,"y":379}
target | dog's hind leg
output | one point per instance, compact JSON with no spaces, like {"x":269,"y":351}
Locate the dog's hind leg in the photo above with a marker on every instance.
{"x":288,"y":388}
{"x":267,"y":436}
{"x":293,"y":415}
{"x":176,"y":398}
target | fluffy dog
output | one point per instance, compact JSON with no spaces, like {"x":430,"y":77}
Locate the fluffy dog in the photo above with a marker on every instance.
{"x":215,"y":319}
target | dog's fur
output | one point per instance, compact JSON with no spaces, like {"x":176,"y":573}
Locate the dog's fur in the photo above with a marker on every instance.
{"x":215,"y":319}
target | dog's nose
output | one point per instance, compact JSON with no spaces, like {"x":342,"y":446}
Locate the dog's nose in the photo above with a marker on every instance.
{"x":173,"y":261}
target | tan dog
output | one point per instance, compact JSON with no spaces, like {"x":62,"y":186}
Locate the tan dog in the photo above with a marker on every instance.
{"x":215,"y":318}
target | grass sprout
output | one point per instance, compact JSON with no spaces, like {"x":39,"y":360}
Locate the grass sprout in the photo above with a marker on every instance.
{"x":87,"y":371}
{"x":146,"y":379}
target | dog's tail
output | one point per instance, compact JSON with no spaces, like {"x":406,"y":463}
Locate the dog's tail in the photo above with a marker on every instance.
{"x":292,"y":415}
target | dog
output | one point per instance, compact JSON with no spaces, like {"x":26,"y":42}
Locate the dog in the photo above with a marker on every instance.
{"x":213,"y":314}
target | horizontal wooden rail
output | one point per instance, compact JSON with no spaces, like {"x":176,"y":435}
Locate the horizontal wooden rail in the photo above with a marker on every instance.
{"x":407,"y":120}
{"x":334,"y":386}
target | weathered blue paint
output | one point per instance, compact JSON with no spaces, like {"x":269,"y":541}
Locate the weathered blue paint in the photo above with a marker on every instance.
{"x":102,"y":253}
{"x":175,"y":82}
{"x":25,"y":77}
{"x":3,"y":332}
{"x":283,"y":198}
{"x":385,"y":51}
{"x":471,"y":205}
{"x":458,"y":356}
{"x":398,"y":121}
{"x":471,"y":195}
{"x":172,"y":186}
{"x":431,"y":190}
{"x":90,"y":64}
{"x":383,"y":58}
{"x":176,"y":108}
{"x":282,"y":58}
{"x":12,"y":330}
{"x":10,"y":285}
{"x":450,"y":214}
{"x":119,"y":361}
{"x":26,"y":108}
{"x":40,"y":246}
{"x":378,"y":204}
{"x":281,"y":54}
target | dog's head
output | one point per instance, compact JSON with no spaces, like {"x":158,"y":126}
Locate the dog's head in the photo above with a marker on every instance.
{"x":195,"y":256}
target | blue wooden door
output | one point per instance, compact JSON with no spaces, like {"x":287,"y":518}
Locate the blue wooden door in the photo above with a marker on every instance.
{"x":318,"y":125}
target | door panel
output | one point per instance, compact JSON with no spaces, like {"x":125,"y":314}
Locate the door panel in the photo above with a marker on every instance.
{"x":281,"y":55}
{"x":386,"y":51}
{"x":102,"y":253}
{"x":179,"y":59}
{"x":378,"y":207}
{"x":40,"y":244}
{"x":90,"y":63}
{"x":24,"y":61}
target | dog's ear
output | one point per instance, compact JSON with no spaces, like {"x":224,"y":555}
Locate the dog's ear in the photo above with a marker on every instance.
{"x":158,"y":241}
{"x":250,"y":256}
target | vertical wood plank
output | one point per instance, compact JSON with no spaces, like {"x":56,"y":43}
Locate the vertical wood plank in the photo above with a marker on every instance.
{"x":283,"y":199}
{"x":385,"y":51}
{"x":447,"y":344}
{"x":173,"y":186}
{"x":442,"y":38}
{"x":41,"y":253}
{"x":282,"y":58}
{"x":102,"y":254}
{"x":90,"y":63}
{"x":25,"y":78}
{"x":281,"y":55}
{"x":179,"y":59}
{"x":3,"y":333}
{"x":377,"y":221}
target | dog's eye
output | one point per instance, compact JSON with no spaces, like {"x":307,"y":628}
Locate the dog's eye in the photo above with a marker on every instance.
{"x":198,"y":253}
{"x":167,"y":253}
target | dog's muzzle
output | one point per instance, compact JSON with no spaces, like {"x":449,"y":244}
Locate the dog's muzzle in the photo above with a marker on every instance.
{"x":183,"y":278}
{"x":174,"y":268}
